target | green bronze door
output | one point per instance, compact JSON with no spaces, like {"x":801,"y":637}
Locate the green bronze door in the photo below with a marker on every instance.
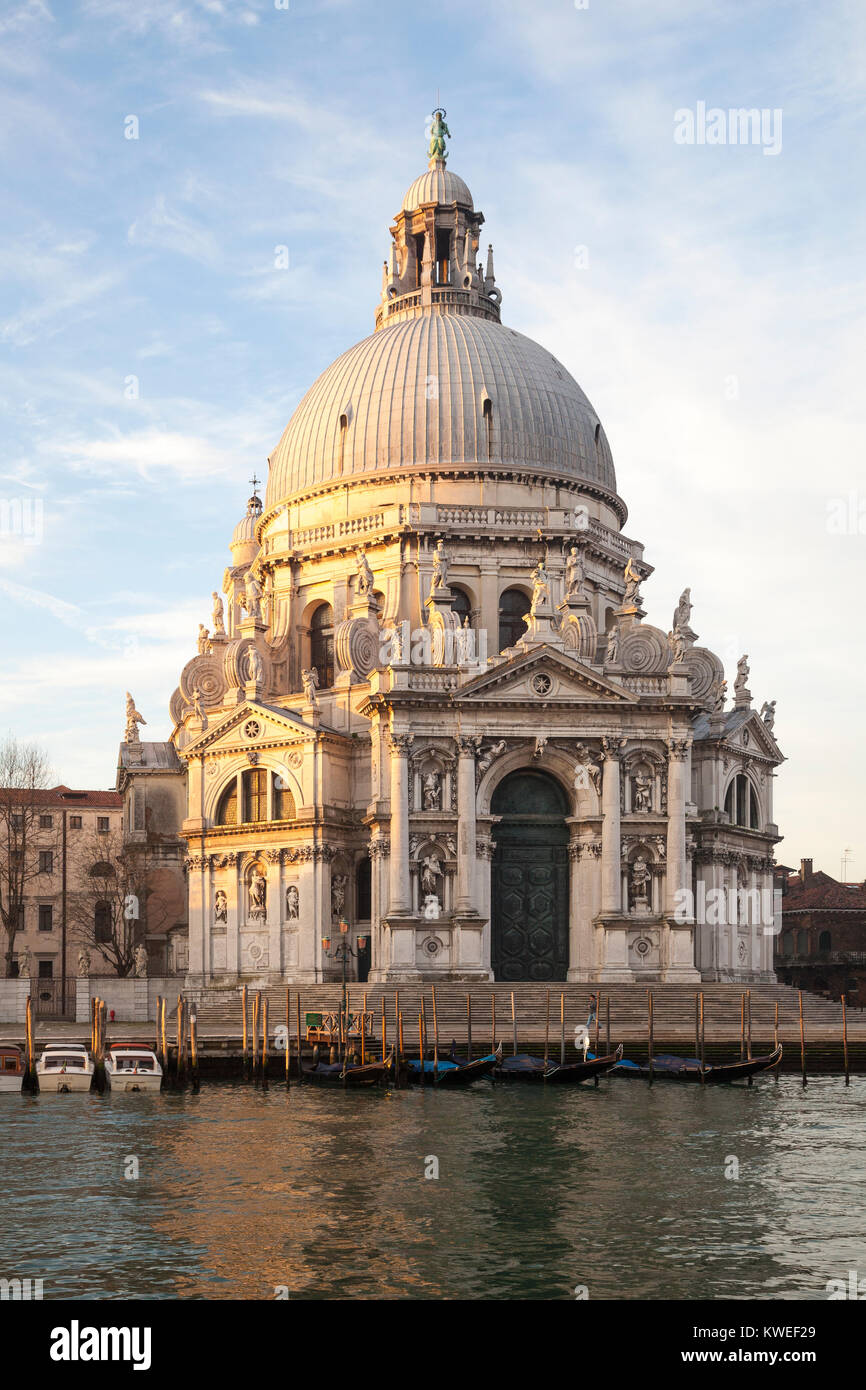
{"x":530,"y":879}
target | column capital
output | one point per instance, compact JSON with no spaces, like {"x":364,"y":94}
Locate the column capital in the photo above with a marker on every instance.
{"x":400,"y":743}
{"x":467,"y":745}
{"x":612,"y":748}
{"x":678,"y":748}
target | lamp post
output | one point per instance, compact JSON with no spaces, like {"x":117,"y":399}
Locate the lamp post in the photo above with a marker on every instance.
{"x":342,"y":952}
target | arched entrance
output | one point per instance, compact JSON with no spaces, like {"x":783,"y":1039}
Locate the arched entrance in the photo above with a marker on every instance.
{"x":529,"y":916}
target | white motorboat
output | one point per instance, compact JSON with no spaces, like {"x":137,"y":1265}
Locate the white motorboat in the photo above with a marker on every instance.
{"x":64,"y":1066}
{"x":11,"y":1067}
{"x":132,"y":1067}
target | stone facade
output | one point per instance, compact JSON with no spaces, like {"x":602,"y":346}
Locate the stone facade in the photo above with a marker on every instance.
{"x":428,"y":702}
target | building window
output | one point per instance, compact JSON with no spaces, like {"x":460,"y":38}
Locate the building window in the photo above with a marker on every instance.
{"x":282,"y":802}
{"x":46,"y":917}
{"x":824,"y":941}
{"x":255,"y":783}
{"x":75,"y":822}
{"x":46,"y":822}
{"x":46,"y":970}
{"x":513,"y":608}
{"x":419,"y":256}
{"x":487,"y":411}
{"x":787,"y":943}
{"x":364,"y":891}
{"x":322,"y":644}
{"x":802,"y":942}
{"x":102,"y":922}
{"x":344,"y":425}
{"x":461,"y":605}
{"x":102,"y":824}
{"x":227,"y":810}
{"x":741,"y":804}
{"x":46,"y":861}
{"x":443,"y":257}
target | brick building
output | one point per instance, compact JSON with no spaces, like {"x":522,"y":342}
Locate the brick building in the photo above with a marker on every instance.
{"x":822,"y":945}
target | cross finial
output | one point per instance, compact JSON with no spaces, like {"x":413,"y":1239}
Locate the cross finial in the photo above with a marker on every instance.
{"x":254,"y":482}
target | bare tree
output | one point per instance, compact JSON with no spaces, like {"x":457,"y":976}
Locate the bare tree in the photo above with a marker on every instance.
{"x":108,"y":912}
{"x":24,"y":774}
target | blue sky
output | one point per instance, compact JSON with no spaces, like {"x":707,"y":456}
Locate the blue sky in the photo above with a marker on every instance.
{"x":714,"y":315}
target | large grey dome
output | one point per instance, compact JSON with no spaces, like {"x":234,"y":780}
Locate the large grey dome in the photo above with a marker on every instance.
{"x":413,"y":395}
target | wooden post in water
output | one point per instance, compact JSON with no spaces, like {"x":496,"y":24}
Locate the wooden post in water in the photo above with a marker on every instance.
{"x":265,"y":1044}
{"x":513,"y":1027}
{"x":164,"y":1038}
{"x":547,"y":1033}
{"x":702,"y":1052}
{"x":469,"y":1027}
{"x":597,"y":1026}
{"x":300,"y":1067}
{"x":845,"y":1037}
{"x":742,"y":1026}
{"x":802,"y":1039}
{"x":178,"y":1070}
{"x":288,"y":1035}
{"x":776,"y":1030}
{"x":384,"y":1031}
{"x":562,"y":1029}
{"x":493,"y":1023}
{"x":193,"y":1048}
{"x":31,"y":1081}
{"x":255,"y":1036}
{"x":245,"y":1041}
{"x":421,"y":1045}
{"x":607,"y":1024}
{"x":650,"y":1038}
{"x":749,"y":1027}
{"x":435,"y":1038}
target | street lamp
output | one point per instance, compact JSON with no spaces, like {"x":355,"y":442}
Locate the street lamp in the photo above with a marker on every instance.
{"x":342,"y":952}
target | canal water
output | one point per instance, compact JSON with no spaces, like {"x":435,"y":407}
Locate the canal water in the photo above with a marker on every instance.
{"x":623,"y":1190}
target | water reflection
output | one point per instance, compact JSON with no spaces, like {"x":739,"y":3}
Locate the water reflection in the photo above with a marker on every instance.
{"x":621,"y":1188}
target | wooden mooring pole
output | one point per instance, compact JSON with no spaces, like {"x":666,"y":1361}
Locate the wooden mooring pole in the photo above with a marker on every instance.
{"x":469,"y":1027}
{"x":265,"y":1044}
{"x":607,"y":1025}
{"x":493,"y":1023}
{"x":288,"y":1035}
{"x":702,"y":1052}
{"x":749,"y":1028}
{"x":193,"y":1050}
{"x":31,"y":1081}
{"x":244,"y":1030}
{"x":650,"y":1039}
{"x":421,"y":1045}
{"x":562,"y":1029}
{"x":513,"y":1027}
{"x":255,"y":1036}
{"x":802,"y":1039}
{"x":547,"y":1033}
{"x":597,"y":1026}
{"x":300,"y":1066}
{"x":845,"y":1038}
{"x":742,"y":1026}
{"x":435,"y":1038}
{"x":384,"y":1031}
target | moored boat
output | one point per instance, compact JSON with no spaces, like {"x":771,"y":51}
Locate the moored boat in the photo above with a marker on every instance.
{"x":11,"y":1067}
{"x":132,"y":1067}
{"x":573,"y":1072}
{"x":64,"y":1067}
{"x":338,"y":1074}
{"x":447,"y":1071}
{"x":669,"y":1068}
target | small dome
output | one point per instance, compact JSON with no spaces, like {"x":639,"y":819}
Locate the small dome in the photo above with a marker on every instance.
{"x":245,"y":531}
{"x":437,"y":185}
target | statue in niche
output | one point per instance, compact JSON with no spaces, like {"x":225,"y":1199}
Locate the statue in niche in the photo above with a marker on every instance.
{"x":218,"y":615}
{"x":293,"y":903}
{"x":768,"y":713}
{"x":431,"y":872}
{"x":203,"y":640}
{"x":258,"y":896}
{"x":255,"y":666}
{"x":252,"y":600}
{"x":632,"y":585}
{"x":432,"y":791}
{"x":540,"y":588}
{"x":310,"y":680}
{"x":440,"y":567}
{"x":612,"y":654}
{"x":642,"y":792}
{"x":140,"y":961}
{"x":365,"y":574}
{"x":220,"y":906}
{"x":338,"y":894}
{"x":575,"y":574}
{"x":133,"y":719}
{"x":640,"y":877}
{"x":84,"y":961}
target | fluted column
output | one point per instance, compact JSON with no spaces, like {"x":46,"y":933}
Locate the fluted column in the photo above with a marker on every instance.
{"x":679,"y":774}
{"x":400,"y":893}
{"x":466,"y":855}
{"x":611,"y":885}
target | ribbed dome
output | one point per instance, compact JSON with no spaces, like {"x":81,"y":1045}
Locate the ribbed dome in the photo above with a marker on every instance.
{"x":245,"y":531}
{"x":437,"y":185}
{"x":413,"y":394}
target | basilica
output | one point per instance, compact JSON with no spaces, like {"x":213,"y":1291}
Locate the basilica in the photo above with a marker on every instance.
{"x":427,"y":716}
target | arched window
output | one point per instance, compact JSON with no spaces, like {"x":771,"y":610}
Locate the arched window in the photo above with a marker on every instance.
{"x":255,"y":785}
{"x":364,"y":891}
{"x":787,"y":943}
{"x":741,"y":804}
{"x":227,"y":810}
{"x":344,"y":426}
{"x":461,"y":605}
{"x":802,"y":942}
{"x":102,"y":869}
{"x":513,"y":608}
{"x":487,"y":411}
{"x":102,"y":922}
{"x":282,"y":802}
{"x":322,"y":644}
{"x":824,"y":941}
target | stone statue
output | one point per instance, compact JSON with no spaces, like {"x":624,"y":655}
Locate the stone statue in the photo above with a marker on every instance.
{"x":587,"y":766}
{"x":133,"y":719}
{"x":438,"y":131}
{"x":642,"y":792}
{"x":677,"y":639}
{"x":203,"y":640}
{"x":640,"y":876}
{"x":24,"y":963}
{"x":718,"y":695}
{"x":197,"y":707}
{"x":464,"y":642}
{"x":293,"y":903}
{"x":338,"y":894}
{"x":742,"y":695}
{"x":255,"y":666}
{"x":140,"y":961}
{"x":252,"y":600}
{"x":220,"y":906}
{"x":683,"y":612}
{"x":493,"y":751}
{"x":84,"y":961}
{"x":365,"y":574}
{"x":612,"y":653}
{"x":432,"y":791}
{"x":218,"y":616}
{"x":768,"y":713}
{"x":258,"y":895}
{"x":431,"y":872}
{"x":440,"y":567}
{"x":632,"y":585}
{"x":575,"y":574}
{"x":540,"y":588}
{"x":310,"y":679}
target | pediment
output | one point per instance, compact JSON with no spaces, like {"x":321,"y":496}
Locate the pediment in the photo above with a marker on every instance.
{"x":753,"y":736}
{"x":251,"y":725}
{"x":543,"y":676}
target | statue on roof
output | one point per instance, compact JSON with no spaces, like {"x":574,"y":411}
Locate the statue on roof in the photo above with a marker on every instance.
{"x":438,"y":131}
{"x":133,"y":719}
{"x":632,"y":579}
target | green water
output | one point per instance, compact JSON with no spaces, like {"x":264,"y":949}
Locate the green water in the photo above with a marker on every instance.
{"x":621,"y":1189}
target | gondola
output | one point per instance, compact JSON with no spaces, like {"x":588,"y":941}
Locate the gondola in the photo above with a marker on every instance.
{"x":448,"y":1072}
{"x":526,"y":1068}
{"x":335,"y":1074}
{"x":668,"y":1068}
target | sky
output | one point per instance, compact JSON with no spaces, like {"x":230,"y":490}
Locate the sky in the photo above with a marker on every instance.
{"x":709,"y":298}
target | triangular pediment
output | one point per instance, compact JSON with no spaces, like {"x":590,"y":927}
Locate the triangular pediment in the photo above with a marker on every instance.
{"x":522,"y":680}
{"x":754,"y":736}
{"x":251,"y":724}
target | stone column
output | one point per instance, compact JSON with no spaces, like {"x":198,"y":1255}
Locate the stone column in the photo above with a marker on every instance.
{"x":679,"y":776}
{"x":400,"y":893}
{"x":611,"y":886}
{"x":466,"y":855}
